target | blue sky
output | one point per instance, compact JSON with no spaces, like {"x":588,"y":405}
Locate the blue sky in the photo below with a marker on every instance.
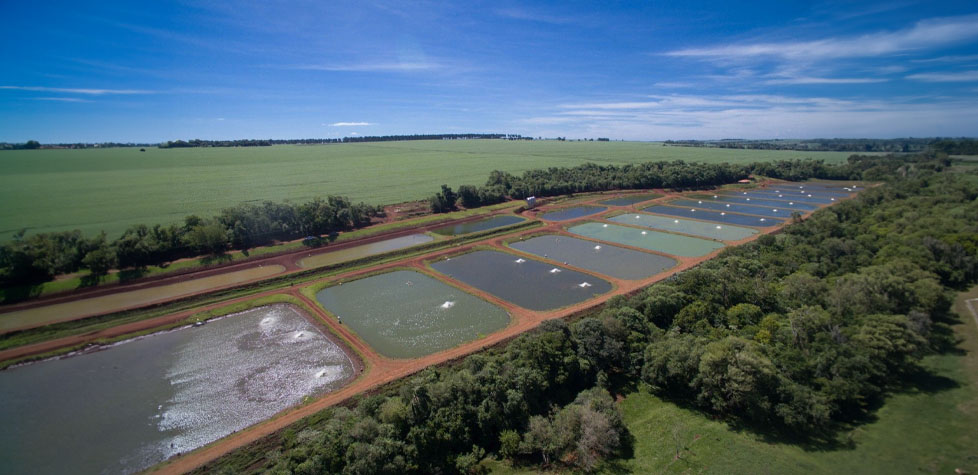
{"x":161,"y":70}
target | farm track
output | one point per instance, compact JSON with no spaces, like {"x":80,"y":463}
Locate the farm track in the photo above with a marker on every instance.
{"x":377,"y":369}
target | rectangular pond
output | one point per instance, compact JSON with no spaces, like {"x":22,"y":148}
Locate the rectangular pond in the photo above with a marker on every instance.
{"x":630,"y":199}
{"x":788,"y":197}
{"x":407,"y":314}
{"x":602,"y":258}
{"x":789,"y":204}
{"x":135,"y":404}
{"x":774,"y":212}
{"x":572,"y":213}
{"x":715,"y":216}
{"x":365,"y":250}
{"x":685,"y":226}
{"x":480,"y":225}
{"x":647,"y":239}
{"x":821,"y":193}
{"x":46,"y":314}
{"x":528,"y":283}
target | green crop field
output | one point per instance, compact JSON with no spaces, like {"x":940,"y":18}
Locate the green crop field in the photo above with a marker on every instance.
{"x":110,"y":189}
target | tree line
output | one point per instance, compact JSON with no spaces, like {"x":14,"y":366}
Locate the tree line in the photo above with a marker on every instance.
{"x":40,"y":257}
{"x":794,"y":334}
{"x":356,"y":139}
{"x":900,"y":145}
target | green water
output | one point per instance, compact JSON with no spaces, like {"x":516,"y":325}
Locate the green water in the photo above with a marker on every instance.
{"x":528,"y":283}
{"x":647,"y":239}
{"x":365,"y":250}
{"x":134,"y":404}
{"x":725,"y":232}
{"x":406,"y":314}
{"x":602,"y":258}
{"x":481,"y":225}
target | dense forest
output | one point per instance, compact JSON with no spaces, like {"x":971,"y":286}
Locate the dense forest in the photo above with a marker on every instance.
{"x":790,"y":335}
{"x":904,"y":145}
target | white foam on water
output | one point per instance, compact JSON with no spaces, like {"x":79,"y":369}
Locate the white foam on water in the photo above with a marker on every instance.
{"x":605,"y":226}
{"x":584,"y":284}
{"x":718,"y":227}
{"x":521,"y":260}
{"x":644,"y":232}
{"x":598,"y":247}
{"x":774,"y":210}
{"x":554,"y":270}
{"x":448,"y":304}
{"x":762,"y":219}
{"x":723,"y":213}
{"x":675,"y":221}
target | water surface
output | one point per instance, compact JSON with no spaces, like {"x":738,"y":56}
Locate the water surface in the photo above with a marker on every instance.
{"x":528,"y":283}
{"x":572,"y":213}
{"x":714,"y":216}
{"x":757,"y":210}
{"x":480,"y":225}
{"x":647,"y":239}
{"x":602,"y":258}
{"x":364,"y":250}
{"x":685,"y":226}
{"x":407,"y":314}
{"x":139,"y":402}
{"x":779,"y":203}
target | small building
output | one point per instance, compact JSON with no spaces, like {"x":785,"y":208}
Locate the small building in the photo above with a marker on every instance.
{"x":744,"y":181}
{"x":531,"y":202}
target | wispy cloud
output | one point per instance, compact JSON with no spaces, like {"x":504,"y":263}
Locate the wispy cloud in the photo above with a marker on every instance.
{"x":925,"y":34}
{"x":948,"y":59}
{"x":962,"y":76}
{"x":70,"y":90}
{"x":817,"y":80}
{"x":61,"y":99}
{"x":391,"y":67}
{"x":349,"y":124}
{"x":523,"y":14}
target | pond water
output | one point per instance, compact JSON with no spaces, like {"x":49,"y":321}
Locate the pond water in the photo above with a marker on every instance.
{"x":796,"y":197}
{"x":528,"y":283}
{"x":115,"y":302}
{"x":686,"y":226}
{"x":774,"y":212}
{"x":602,"y":258}
{"x":481,"y":225}
{"x":572,"y":213}
{"x":407,"y":314}
{"x":365,"y":250}
{"x":134,"y":404}
{"x":789,"y":204}
{"x":647,"y":239}
{"x":714,"y":216}
{"x":629,"y":199}
{"x":819,"y":192}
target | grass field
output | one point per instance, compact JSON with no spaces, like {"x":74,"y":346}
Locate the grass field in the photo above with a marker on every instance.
{"x":110,"y":189}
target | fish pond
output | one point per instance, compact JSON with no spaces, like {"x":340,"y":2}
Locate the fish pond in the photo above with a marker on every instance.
{"x":647,"y":239}
{"x":714,"y":216}
{"x":602,"y":258}
{"x":779,"y":203}
{"x":480,"y":225}
{"x":136,"y":403}
{"x":795,"y":197}
{"x":364,"y":250}
{"x":774,"y":212}
{"x":407,"y":314}
{"x":630,"y":199}
{"x":572,"y":213}
{"x":528,"y":283}
{"x":685,"y":226}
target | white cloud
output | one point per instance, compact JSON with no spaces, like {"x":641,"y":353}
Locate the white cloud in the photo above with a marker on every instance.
{"x":963,"y":76}
{"x":925,"y":34}
{"x":67,"y":90}
{"x":349,"y":124}
{"x":522,"y":14}
{"x":61,"y":99}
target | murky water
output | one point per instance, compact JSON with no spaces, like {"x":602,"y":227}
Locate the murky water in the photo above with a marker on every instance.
{"x":406,"y":314}
{"x":602,"y":258}
{"x":714,"y":216}
{"x":528,"y":283}
{"x":137,"y":403}
{"x":629,"y":199}
{"x":356,"y":252}
{"x":725,"y":232}
{"x":779,"y":203}
{"x":647,"y":239}
{"x":771,"y":211}
{"x":115,"y":302}
{"x":572,"y":213}
{"x":481,"y":225}
{"x":810,"y":198}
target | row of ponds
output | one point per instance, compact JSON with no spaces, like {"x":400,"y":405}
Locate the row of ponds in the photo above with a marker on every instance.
{"x":131,"y":405}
